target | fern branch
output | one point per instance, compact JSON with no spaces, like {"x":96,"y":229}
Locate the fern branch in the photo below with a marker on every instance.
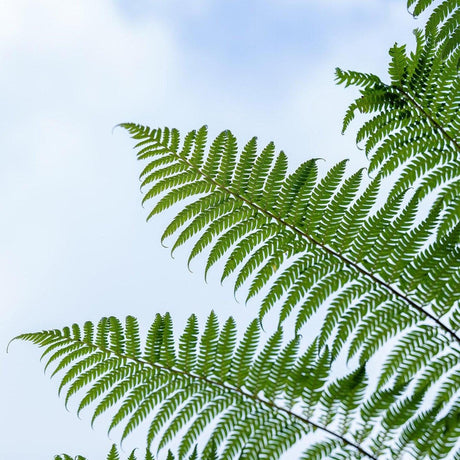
{"x":415,"y":120}
{"x":282,"y":390}
{"x":260,"y":402}
{"x":368,"y":274}
{"x":227,"y":388}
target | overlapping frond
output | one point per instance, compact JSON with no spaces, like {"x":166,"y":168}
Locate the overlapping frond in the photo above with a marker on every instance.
{"x":415,"y":123}
{"x":443,"y":22}
{"x":257,"y":401}
{"x":311,"y":242}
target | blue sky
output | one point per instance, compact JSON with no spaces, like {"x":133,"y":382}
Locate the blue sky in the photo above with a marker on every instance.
{"x":74,"y":244}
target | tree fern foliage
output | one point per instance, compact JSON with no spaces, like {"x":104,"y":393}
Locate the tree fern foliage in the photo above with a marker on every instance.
{"x":312,"y":243}
{"x":444,"y":21}
{"x":415,"y":121}
{"x":380,"y":269}
{"x":257,"y":399}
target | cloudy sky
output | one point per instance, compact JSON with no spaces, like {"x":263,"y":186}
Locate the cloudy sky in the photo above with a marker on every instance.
{"x":74,"y":244}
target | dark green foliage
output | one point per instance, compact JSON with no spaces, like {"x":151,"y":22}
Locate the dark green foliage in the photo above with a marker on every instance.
{"x":444,"y":22}
{"x":383,"y":276}
{"x":415,"y":124}
{"x":257,"y":401}
{"x":320,"y":243}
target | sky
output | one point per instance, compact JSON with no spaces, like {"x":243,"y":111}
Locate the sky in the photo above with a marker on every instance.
{"x":74,"y":244}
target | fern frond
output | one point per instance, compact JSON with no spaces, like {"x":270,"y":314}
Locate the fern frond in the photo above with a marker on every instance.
{"x":256,"y":404}
{"x":417,"y":128}
{"x":444,"y":21}
{"x":315,"y":240}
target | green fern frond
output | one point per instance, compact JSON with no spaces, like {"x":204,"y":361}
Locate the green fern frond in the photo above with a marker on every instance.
{"x":416,"y":128}
{"x":257,"y":404}
{"x":320,"y":237}
{"x":444,"y":21}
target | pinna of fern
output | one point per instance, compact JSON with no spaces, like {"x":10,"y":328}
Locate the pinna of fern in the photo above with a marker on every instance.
{"x":257,"y":401}
{"x":375,"y":272}
{"x":415,"y":124}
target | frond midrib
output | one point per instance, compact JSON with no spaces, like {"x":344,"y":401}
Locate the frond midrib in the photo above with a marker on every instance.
{"x":430,"y":118}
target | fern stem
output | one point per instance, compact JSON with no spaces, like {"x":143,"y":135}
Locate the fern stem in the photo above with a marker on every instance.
{"x":327,"y":249}
{"x":432,"y":120}
{"x":231,"y":388}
